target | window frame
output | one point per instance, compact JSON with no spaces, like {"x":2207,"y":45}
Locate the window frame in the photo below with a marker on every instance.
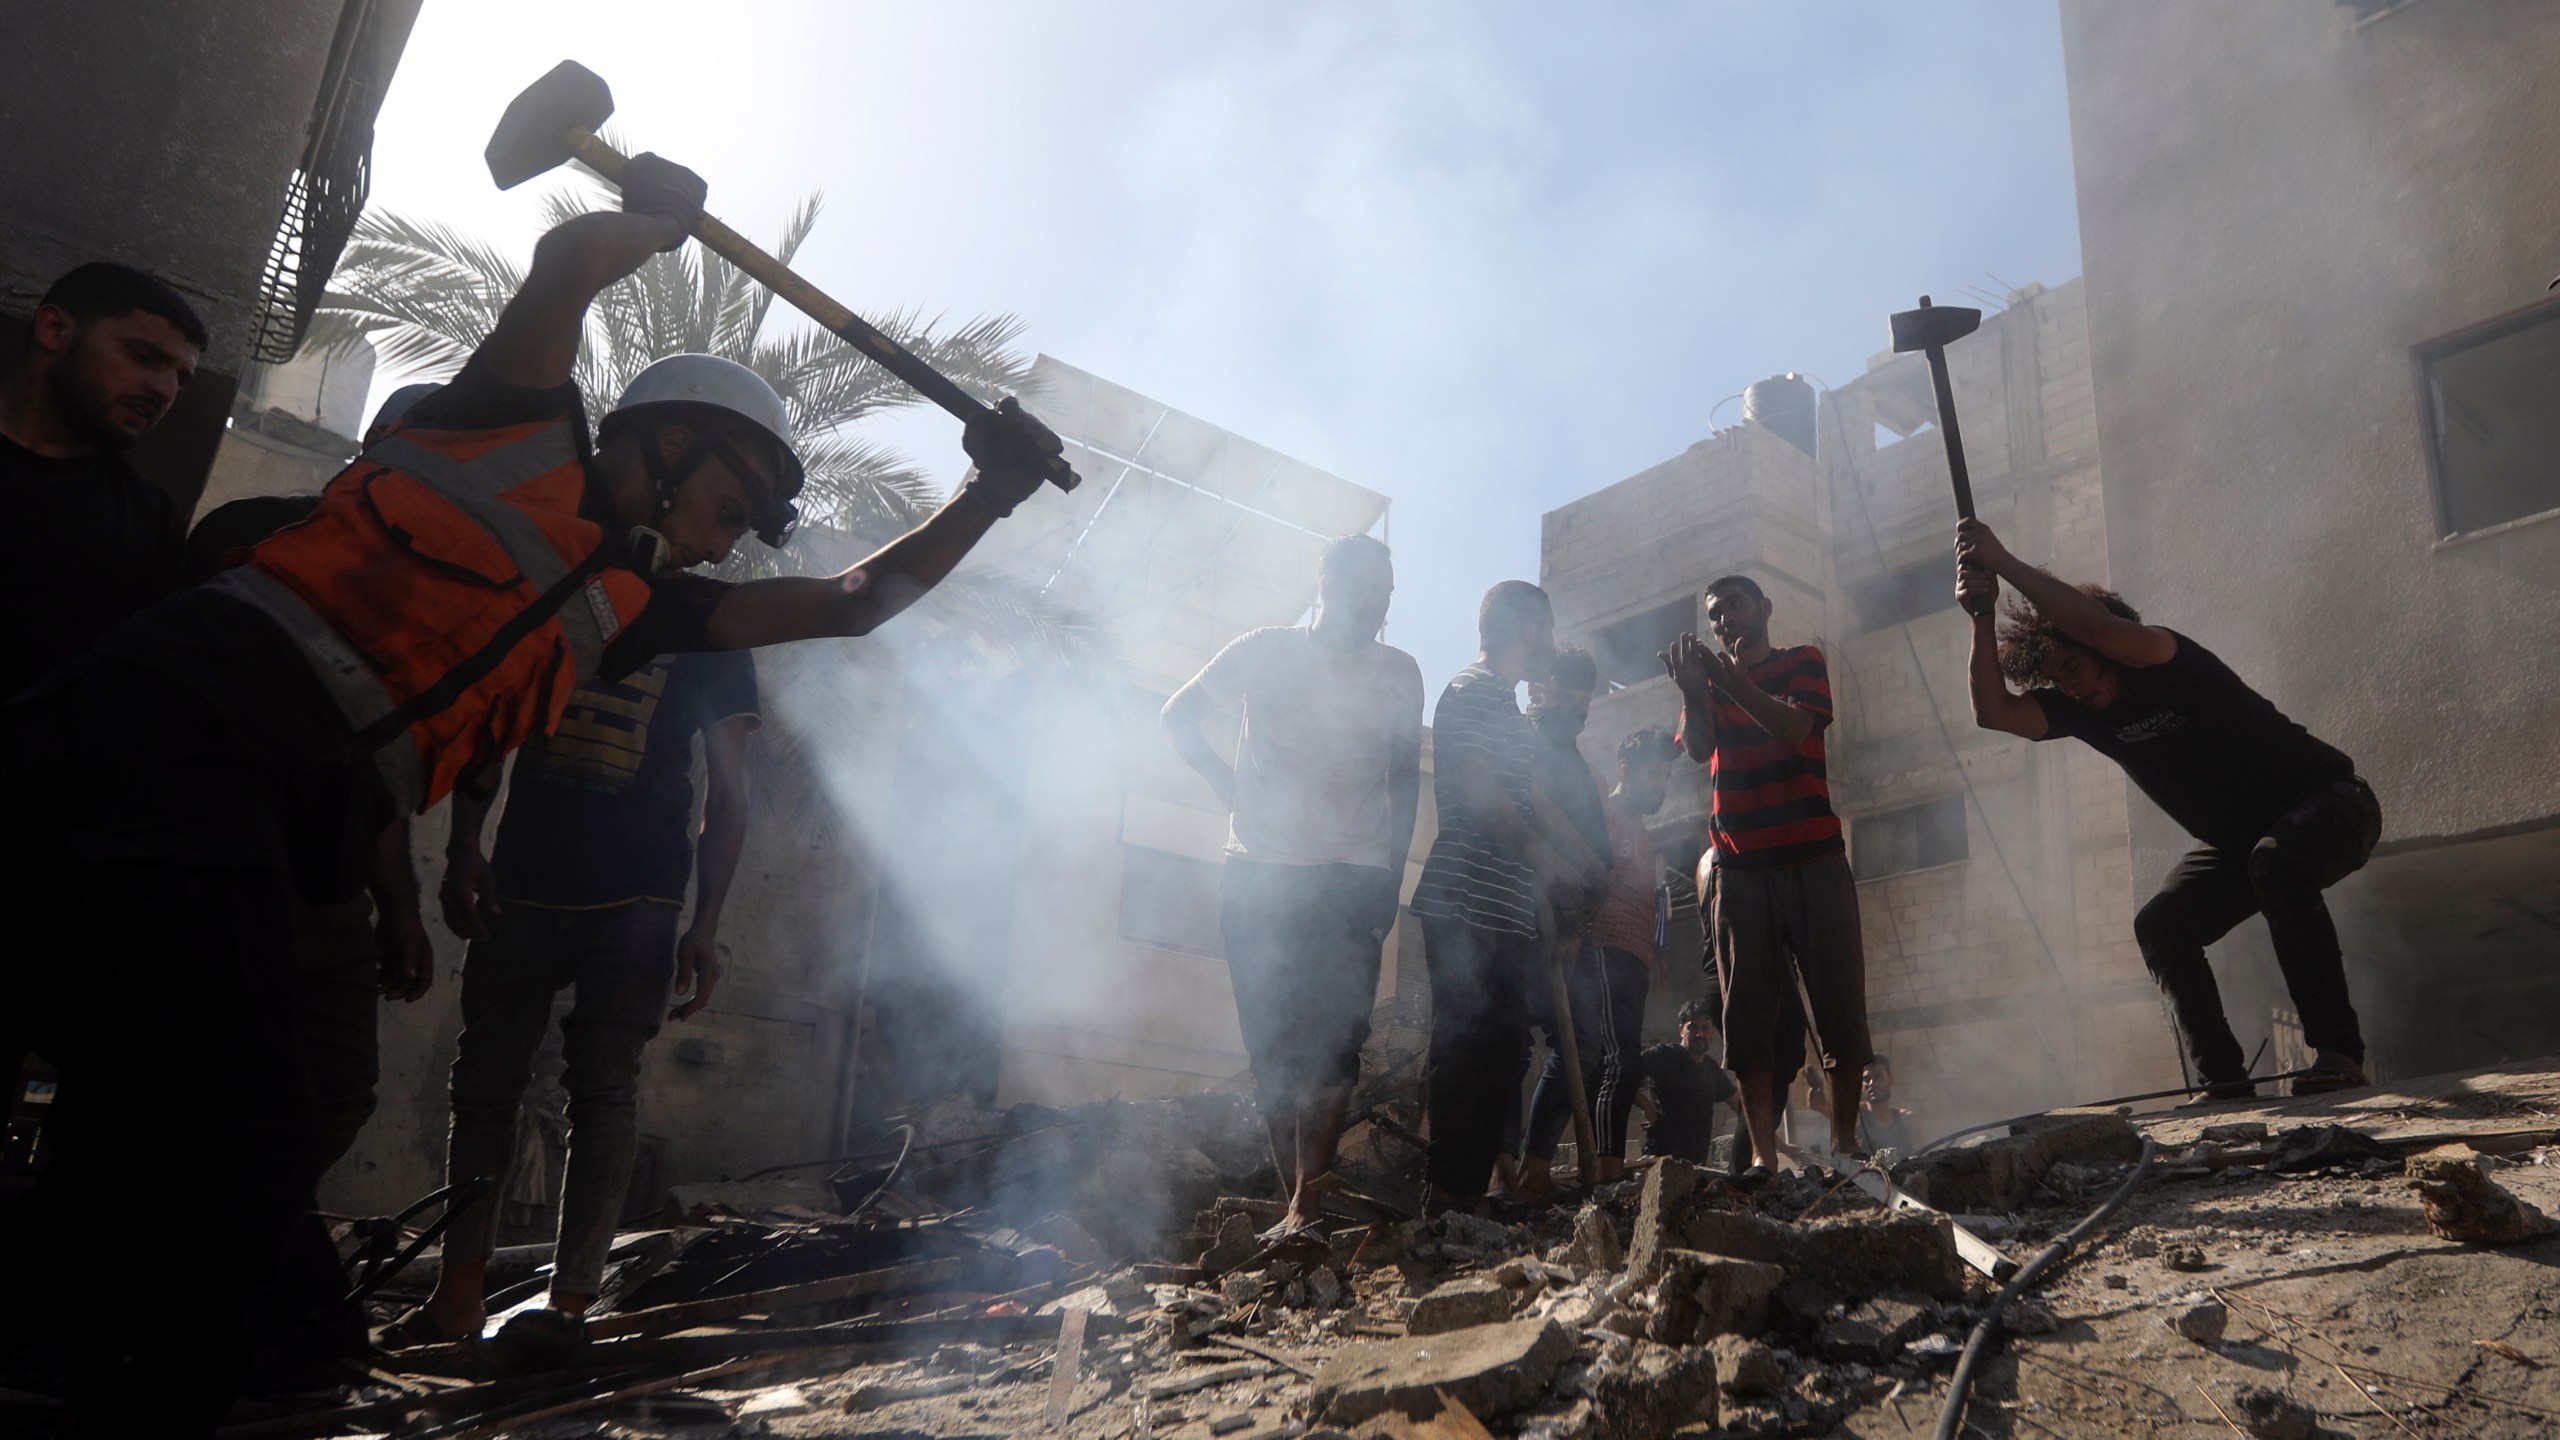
{"x":2423,"y":358}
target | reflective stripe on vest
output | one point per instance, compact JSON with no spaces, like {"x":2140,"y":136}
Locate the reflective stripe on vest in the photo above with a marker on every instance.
{"x":347,"y":676}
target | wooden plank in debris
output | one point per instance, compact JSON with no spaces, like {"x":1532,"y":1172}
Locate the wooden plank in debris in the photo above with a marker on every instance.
{"x":1066,"y":1371}
{"x":685,"y":1314}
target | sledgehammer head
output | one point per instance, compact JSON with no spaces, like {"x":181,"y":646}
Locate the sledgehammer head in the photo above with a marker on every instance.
{"x":1931,"y":327}
{"x":529,"y":139}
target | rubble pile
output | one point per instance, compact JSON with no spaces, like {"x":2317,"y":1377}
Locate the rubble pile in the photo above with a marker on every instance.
{"x":1672,"y":1303}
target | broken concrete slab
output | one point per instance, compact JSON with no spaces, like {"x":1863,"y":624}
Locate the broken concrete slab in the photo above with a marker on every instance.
{"x":1595,"y":1239}
{"x":1491,"y":1369}
{"x":2464,"y":1204}
{"x":1460,"y":1305}
{"x":1657,"y":1390}
{"x":1748,"y":1367}
{"x":2003,"y":1174}
{"x":1860,"y":1257}
{"x":1700,"y":1295}
{"x":1660,"y":1208}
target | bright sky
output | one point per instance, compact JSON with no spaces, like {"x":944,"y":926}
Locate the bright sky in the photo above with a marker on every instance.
{"x":1481,"y":256}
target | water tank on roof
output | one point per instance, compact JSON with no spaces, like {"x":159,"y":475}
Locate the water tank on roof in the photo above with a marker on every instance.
{"x":1783,"y":404}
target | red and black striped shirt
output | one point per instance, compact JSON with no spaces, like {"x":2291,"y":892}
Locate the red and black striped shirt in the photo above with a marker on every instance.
{"x":1773,"y":800}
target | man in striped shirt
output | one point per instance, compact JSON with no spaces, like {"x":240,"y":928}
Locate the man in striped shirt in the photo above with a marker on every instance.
{"x":1780,"y":884}
{"x":1478,"y":896}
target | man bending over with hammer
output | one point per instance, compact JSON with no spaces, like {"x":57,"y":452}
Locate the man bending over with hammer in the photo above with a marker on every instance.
{"x":1321,"y":804}
{"x":1780,"y":889}
{"x":453,"y":588}
{"x":2279,"y":815}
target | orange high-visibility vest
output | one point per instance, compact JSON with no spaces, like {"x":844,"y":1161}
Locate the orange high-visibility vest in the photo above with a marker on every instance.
{"x":421,"y":551}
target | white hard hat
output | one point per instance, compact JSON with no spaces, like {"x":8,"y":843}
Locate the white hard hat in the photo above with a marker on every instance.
{"x":709,"y":380}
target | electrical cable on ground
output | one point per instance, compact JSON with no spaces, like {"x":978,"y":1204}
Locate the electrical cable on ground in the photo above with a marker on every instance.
{"x":1978,"y":1347}
{"x":1954,"y":1135}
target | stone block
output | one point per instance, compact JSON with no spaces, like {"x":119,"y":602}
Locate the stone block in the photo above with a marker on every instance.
{"x":1875,"y":1332}
{"x":1595,"y":1239}
{"x":1459,"y":1305}
{"x":1859,"y":1257}
{"x":1658,"y":1390}
{"x":1699,"y":1296}
{"x":2202,"y":1322}
{"x":1660,"y":1208}
{"x":1493,"y":1370}
{"x":1747,"y":1366}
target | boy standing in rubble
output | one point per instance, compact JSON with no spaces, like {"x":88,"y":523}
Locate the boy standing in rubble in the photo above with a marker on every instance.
{"x":2279,"y":814}
{"x":1781,"y":903}
{"x":1321,"y":804}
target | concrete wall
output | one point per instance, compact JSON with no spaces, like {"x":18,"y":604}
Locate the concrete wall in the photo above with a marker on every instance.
{"x":2277,"y":204}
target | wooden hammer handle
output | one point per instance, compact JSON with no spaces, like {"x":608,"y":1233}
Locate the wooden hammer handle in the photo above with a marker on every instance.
{"x":815,"y":303}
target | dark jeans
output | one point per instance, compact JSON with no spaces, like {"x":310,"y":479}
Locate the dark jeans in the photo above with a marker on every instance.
{"x":181,"y":1138}
{"x":621,"y":959}
{"x":1304,"y":945}
{"x":1607,"y":987}
{"x":1480,"y":984}
{"x":2324,"y":838}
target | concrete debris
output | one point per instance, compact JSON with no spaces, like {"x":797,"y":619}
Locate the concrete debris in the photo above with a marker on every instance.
{"x":2242,"y":1132}
{"x":1460,"y":1305}
{"x":1595,"y":1239}
{"x":2002,"y":1174}
{"x":1863,"y":1257}
{"x":2203,"y":1321}
{"x":1659,"y":1207}
{"x":1699,"y":1296}
{"x":1656,"y":1391}
{"x":2464,"y":1204}
{"x":2026,"y":1317}
{"x":2186,"y":1259}
{"x":1876,"y":1331}
{"x":2272,"y":1415}
{"x":1493,"y":1370}
{"x":1748,"y":1366}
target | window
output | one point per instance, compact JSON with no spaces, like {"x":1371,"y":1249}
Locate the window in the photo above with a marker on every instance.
{"x":1629,"y":650}
{"x":1170,"y":902}
{"x":2492,"y":431}
{"x":1913,"y":838}
{"x":1923,"y":588}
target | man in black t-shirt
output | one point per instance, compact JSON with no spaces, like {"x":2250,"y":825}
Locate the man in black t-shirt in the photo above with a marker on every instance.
{"x":1683,"y":1086}
{"x":2280,"y":814}
{"x":594,"y":856}
{"x":106,"y":353}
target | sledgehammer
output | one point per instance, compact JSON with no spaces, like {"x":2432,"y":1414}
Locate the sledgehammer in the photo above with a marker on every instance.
{"x":1933,"y":328}
{"x":554,"y":121}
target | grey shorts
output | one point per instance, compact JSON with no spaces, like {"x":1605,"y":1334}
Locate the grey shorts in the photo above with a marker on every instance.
{"x":1769,"y":924}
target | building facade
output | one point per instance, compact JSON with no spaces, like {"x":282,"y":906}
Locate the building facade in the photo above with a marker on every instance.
{"x":2317,"y":239}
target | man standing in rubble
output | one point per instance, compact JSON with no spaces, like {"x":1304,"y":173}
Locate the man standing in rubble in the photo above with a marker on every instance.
{"x":1781,"y":890}
{"x":584,"y":891}
{"x":1321,"y":804}
{"x":257,"y":733}
{"x":1683,"y":1086}
{"x":1478,"y":897}
{"x":2278,"y":814}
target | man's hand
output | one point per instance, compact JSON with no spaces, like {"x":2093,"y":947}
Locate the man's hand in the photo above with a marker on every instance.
{"x":1012,"y":450}
{"x":1726,"y":673}
{"x":658,"y":187}
{"x":1687,"y":664}
{"x":1977,"y":589}
{"x":407,"y":956}
{"x":697,"y":970}
{"x":469,"y":894}
{"x":1977,"y":545}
